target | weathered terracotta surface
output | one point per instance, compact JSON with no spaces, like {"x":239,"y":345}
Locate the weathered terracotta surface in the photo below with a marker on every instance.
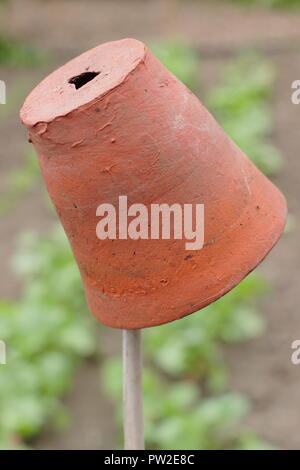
{"x":136,"y":130}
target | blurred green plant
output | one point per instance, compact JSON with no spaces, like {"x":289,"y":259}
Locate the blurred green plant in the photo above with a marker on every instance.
{"x":270,"y":3}
{"x":185,"y":357}
{"x":241,"y":103}
{"x":176,"y":415}
{"x":19,"y":183}
{"x":46,"y":332}
{"x":180,"y":59}
{"x":191,"y":348}
{"x":16,"y":53}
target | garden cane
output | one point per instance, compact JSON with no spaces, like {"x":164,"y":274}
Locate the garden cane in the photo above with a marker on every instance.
{"x":132,"y":390}
{"x":114,"y":126}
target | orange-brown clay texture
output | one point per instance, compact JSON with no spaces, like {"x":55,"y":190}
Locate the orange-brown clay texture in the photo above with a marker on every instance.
{"x":127,"y":126}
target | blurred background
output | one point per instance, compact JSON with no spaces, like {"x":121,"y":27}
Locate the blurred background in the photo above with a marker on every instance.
{"x":219,"y":379}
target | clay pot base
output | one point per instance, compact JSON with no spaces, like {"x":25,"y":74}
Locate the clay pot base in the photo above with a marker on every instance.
{"x":84,"y":79}
{"x":113,"y":122}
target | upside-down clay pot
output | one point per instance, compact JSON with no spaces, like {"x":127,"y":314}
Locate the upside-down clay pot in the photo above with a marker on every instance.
{"x":114,"y":122}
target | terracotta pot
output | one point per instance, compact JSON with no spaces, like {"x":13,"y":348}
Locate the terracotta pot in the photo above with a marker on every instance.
{"x":113,"y":122}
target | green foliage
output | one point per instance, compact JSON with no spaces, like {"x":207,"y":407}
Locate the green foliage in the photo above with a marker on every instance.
{"x":270,"y":3}
{"x":241,"y":105}
{"x":46,"y":332}
{"x":191,"y":347}
{"x":19,"y":182}
{"x":180,"y":59}
{"x":185,"y":357}
{"x":249,"y":441}
{"x":16,"y":53}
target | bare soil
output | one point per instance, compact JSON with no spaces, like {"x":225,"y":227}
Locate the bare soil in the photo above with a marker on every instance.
{"x":261,"y":368}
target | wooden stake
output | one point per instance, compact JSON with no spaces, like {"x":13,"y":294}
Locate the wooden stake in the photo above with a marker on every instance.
{"x":132,"y":390}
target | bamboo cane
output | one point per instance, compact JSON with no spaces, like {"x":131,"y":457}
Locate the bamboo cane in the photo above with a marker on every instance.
{"x":132,"y":390}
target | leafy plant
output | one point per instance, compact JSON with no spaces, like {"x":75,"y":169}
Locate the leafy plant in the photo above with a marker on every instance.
{"x":271,"y":3}
{"x":16,"y":53}
{"x":176,"y":415}
{"x":185,"y":358}
{"x":191,"y":347}
{"x":180,"y":59}
{"x":19,"y":182}
{"x":46,"y":332}
{"x":241,"y":105}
